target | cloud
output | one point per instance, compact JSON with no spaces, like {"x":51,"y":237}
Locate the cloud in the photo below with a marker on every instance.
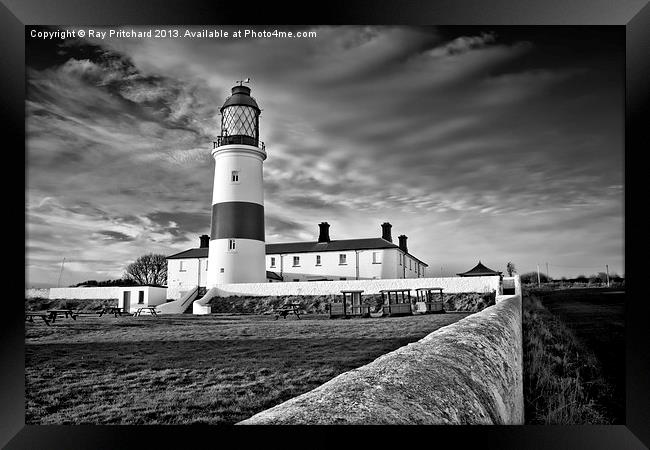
{"x":182,"y":222}
{"x":115,"y":235}
{"x":461,"y":45}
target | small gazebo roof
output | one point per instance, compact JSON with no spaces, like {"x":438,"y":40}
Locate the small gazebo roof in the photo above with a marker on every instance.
{"x":479,"y":271}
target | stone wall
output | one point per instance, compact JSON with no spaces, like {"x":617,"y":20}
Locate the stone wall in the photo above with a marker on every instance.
{"x":469,"y":372}
{"x":449,"y":284}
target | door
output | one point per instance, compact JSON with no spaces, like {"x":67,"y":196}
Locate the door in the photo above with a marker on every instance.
{"x":203,"y":273}
{"x":126,"y":301}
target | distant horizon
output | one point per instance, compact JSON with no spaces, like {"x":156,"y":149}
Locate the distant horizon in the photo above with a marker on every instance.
{"x":488,"y":143}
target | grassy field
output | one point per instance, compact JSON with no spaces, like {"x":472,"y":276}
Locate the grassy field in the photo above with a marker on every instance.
{"x":216,"y":369}
{"x":574,"y":356}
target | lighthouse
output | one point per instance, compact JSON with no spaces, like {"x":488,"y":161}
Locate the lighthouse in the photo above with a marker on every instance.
{"x":237,"y":249}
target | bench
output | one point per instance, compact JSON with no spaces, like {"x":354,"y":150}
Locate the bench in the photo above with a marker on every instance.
{"x":29,"y":317}
{"x":112,"y":310}
{"x":54,"y":313}
{"x":286,"y":310}
{"x":152,"y":311}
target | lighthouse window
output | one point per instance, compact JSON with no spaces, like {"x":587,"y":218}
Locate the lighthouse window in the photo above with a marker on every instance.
{"x":183,"y":267}
{"x":296,"y":261}
{"x":239,"y":120}
{"x":375,"y":258}
{"x":342,"y":259}
{"x":234,"y":176}
{"x":272,"y":262}
{"x":231,"y":244}
{"x":318,"y":260}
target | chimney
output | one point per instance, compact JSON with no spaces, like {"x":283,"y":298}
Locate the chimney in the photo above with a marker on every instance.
{"x":402,"y":243}
{"x":324,"y":232}
{"x":385,"y":231}
{"x":205,"y":241}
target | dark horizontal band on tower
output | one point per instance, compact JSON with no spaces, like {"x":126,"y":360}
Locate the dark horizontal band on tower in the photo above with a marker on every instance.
{"x":243,"y":220}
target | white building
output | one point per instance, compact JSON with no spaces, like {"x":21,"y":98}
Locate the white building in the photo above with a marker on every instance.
{"x":133,"y":297}
{"x":346,"y":259}
{"x":324,"y":259}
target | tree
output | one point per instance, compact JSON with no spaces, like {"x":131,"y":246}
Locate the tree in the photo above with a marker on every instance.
{"x":510,"y":268}
{"x":148,"y":269}
{"x":531,"y":278}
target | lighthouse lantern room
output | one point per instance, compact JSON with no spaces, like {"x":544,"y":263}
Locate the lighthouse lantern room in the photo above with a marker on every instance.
{"x":237,"y":248}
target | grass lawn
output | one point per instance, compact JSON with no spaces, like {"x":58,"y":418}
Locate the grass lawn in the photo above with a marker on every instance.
{"x":181,"y":369}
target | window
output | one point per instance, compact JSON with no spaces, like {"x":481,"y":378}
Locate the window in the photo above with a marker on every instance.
{"x":206,"y":264}
{"x":141,"y":297}
{"x":296,"y":262}
{"x":296,"y":279}
{"x":342,"y":259}
{"x":183,"y":266}
{"x":318,"y":260}
{"x":221,"y":270}
{"x":343,"y":278}
{"x":375,"y":258}
{"x":231,"y":244}
{"x":234,"y":176}
{"x":272,"y":261}
{"x":410,"y":268}
{"x":400,"y":259}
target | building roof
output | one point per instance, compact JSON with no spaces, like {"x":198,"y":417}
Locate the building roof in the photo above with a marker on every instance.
{"x":308,"y":247}
{"x":273,"y":275}
{"x":191,"y":253}
{"x":479,"y":271}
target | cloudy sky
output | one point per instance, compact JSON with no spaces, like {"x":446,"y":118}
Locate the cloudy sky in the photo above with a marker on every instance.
{"x":492,"y":143}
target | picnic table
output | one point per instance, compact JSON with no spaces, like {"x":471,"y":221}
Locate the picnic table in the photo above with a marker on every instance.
{"x":152,"y":311}
{"x":283,"y":311}
{"x":29,"y":317}
{"x":112,"y":310}
{"x":54,"y":313}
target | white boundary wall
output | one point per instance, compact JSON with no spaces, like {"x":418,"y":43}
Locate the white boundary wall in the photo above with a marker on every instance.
{"x":37,"y":292}
{"x":450,"y":285}
{"x":104,"y":292}
{"x":153,"y":295}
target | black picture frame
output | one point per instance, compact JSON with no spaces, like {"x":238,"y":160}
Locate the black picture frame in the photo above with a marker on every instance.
{"x":634,"y":16}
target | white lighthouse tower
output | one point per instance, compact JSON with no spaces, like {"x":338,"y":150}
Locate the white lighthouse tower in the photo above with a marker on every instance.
{"x":237,"y":249}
